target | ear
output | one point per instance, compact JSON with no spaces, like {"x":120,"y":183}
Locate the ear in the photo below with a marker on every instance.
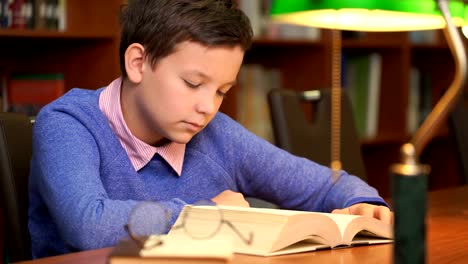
{"x":134,"y":62}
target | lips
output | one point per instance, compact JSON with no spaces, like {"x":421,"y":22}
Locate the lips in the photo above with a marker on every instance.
{"x":194,"y":126}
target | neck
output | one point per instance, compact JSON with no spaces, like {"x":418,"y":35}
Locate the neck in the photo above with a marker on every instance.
{"x":133,"y":116}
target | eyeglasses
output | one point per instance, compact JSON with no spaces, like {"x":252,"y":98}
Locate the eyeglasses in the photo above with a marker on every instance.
{"x":149,"y":220}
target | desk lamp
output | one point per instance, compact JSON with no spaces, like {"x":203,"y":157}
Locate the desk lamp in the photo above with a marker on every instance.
{"x":409,"y":176}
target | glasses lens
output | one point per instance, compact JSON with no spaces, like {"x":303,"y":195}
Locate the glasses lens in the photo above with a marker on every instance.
{"x":202,"y":224}
{"x":149,"y":218}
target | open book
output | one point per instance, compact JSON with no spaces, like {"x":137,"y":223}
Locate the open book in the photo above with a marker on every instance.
{"x":277,"y":231}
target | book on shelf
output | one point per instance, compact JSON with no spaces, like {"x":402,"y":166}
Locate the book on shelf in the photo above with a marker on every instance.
{"x":28,"y":93}
{"x":262,"y":26}
{"x":429,"y":37}
{"x":4,"y":13}
{"x":253,"y":10}
{"x":252,"y":105}
{"x":279,"y":231}
{"x":173,"y":251}
{"x":373,"y":99}
{"x":18,"y":11}
{"x":285,"y":31}
{"x":33,"y":14}
{"x":363,"y":83}
{"x":420,"y":99}
{"x":413,"y":114}
{"x":40,"y":11}
{"x":61,"y":15}
{"x":3,"y":92}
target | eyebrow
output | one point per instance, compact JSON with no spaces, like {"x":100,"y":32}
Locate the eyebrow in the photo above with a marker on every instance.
{"x":203,"y":75}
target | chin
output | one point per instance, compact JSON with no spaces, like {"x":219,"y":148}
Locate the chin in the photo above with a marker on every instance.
{"x":181,"y":139}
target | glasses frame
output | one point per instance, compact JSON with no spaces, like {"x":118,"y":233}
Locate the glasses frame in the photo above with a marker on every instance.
{"x":247,"y":240}
{"x":142,"y":241}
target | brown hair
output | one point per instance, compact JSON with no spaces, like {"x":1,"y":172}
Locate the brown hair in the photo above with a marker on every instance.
{"x":159,"y":25}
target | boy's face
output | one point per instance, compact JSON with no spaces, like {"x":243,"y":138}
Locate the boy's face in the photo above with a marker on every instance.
{"x":183,"y":92}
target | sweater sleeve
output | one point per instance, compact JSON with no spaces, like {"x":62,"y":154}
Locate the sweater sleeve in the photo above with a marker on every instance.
{"x":270,"y":173}
{"x":66,"y":174}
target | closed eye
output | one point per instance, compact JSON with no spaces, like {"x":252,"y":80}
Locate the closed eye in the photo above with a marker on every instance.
{"x":191,"y":85}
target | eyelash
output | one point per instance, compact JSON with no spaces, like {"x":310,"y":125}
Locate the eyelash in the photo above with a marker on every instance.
{"x":191,"y":85}
{"x":224,"y":95}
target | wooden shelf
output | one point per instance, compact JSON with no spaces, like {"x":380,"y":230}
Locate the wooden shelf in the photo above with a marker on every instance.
{"x":359,"y":44}
{"x":385,"y":140}
{"x":47,"y":34}
{"x":265,"y":41}
{"x":430,"y":47}
{"x":86,"y":53}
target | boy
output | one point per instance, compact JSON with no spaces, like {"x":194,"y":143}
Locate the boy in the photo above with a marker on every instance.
{"x":155,"y":134}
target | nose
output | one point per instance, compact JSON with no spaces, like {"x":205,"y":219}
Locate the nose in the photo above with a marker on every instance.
{"x":208,"y":103}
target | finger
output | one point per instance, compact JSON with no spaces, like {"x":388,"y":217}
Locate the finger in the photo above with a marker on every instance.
{"x":362,"y":209}
{"x":384,"y":214}
{"x":341,"y":211}
{"x":240,"y":199}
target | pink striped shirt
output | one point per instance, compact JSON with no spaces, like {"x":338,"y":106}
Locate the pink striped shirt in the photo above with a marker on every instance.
{"x":138,"y":151}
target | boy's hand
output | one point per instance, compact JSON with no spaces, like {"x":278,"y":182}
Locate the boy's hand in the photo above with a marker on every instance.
{"x":229,"y":197}
{"x":380,"y":212}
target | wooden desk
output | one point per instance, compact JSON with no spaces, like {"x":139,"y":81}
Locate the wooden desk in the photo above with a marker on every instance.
{"x":447,"y":240}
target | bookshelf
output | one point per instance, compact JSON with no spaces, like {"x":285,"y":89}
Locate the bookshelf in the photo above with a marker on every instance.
{"x":85,"y":52}
{"x":306,"y":64}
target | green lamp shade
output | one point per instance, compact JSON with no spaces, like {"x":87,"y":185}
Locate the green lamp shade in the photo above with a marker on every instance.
{"x":366,"y":15}
{"x":465,"y":27}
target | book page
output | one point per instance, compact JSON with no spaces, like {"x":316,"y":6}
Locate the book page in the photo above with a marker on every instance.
{"x":342,"y":221}
{"x":318,"y":227}
{"x":367,"y":228}
{"x":368,"y":240}
{"x":187,"y":247}
{"x":302,"y":246}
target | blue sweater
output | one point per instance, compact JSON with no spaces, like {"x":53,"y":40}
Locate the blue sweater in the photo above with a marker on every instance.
{"x":83,"y":185}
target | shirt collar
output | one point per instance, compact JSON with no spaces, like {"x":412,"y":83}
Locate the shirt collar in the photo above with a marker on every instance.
{"x":138,"y":151}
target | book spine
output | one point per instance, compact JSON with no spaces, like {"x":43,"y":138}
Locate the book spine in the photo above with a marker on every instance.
{"x":51,"y":14}
{"x":3,"y":93}
{"x":253,"y":109}
{"x":373,"y":99}
{"x":413,"y":101}
{"x":426,"y":96}
{"x":29,"y":13}
{"x":29,"y":93}
{"x":253,"y":10}
{"x":18,"y":19}
{"x":7,"y":13}
{"x":2,"y":13}
{"x":62,"y":15}
{"x":40,"y":7}
{"x":358,"y":85}
{"x":363,"y":83}
{"x":423,"y":37}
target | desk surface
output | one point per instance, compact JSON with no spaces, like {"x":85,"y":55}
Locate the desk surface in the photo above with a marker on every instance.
{"x":447,"y":234}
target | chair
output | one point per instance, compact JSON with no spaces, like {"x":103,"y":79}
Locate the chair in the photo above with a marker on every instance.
{"x":15,"y":155}
{"x":459,"y":124}
{"x":294,"y":133}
